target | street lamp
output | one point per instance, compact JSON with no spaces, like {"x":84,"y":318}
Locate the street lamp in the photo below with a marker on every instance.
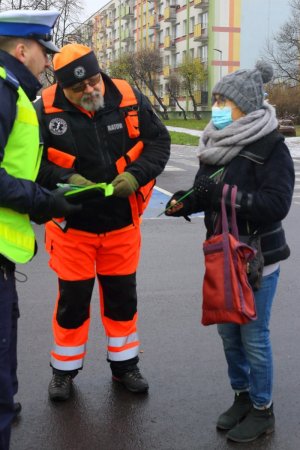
{"x":221,"y":54}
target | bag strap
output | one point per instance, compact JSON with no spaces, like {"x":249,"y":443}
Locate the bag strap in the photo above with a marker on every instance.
{"x":225,"y":228}
{"x":234,"y":228}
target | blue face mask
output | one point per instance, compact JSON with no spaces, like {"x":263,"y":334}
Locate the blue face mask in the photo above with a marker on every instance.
{"x":221,"y":117}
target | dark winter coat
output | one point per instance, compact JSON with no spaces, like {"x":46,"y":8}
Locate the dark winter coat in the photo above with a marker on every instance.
{"x":264,"y":174}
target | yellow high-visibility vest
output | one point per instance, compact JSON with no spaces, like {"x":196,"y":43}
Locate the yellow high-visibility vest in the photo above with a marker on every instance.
{"x":22,"y":158}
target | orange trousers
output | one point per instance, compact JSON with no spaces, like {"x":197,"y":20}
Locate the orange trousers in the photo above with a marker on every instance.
{"x":79,"y":257}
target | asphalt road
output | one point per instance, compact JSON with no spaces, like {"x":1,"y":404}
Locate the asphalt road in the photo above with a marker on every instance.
{"x":182,"y":360}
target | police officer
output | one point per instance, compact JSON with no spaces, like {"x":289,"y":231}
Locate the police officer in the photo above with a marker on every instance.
{"x":25,"y":41}
{"x":98,"y":129}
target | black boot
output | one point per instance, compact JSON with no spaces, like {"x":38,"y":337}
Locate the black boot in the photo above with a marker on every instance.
{"x":17,"y":411}
{"x":60,"y":386}
{"x":133,"y":380}
{"x":256,"y":423}
{"x":240,"y":408}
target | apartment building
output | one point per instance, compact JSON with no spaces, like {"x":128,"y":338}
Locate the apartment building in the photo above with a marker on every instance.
{"x":208,"y":30}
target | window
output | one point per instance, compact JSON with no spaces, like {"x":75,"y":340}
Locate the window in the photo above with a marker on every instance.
{"x":192,"y":24}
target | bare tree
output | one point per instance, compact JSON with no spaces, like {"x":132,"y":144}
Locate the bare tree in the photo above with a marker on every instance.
{"x":286,"y":100}
{"x":67,"y":22}
{"x":283,"y":50}
{"x":148,"y":66}
{"x":125,"y":67}
{"x":173,"y":88}
{"x":142,"y":69}
{"x":194,"y":75}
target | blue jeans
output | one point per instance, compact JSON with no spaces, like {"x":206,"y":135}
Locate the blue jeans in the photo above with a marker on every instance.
{"x":248,"y":348}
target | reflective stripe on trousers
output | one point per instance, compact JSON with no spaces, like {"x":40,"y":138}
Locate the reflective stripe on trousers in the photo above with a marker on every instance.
{"x":123,"y":348}
{"x":67,"y":358}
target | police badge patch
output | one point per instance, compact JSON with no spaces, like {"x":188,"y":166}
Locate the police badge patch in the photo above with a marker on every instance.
{"x":58,"y":126}
{"x":79,"y":72}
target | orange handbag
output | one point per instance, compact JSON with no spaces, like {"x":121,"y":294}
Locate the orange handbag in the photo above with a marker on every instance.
{"x":227,"y":294}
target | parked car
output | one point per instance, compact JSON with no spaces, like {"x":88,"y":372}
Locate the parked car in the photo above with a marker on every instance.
{"x":286,"y":127}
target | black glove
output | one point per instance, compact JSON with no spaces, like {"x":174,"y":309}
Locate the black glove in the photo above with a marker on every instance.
{"x":183,"y":207}
{"x":208,"y":192}
{"x":58,"y":206}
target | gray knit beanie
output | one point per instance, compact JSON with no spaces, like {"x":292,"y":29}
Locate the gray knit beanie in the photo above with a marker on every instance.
{"x":245,"y":87}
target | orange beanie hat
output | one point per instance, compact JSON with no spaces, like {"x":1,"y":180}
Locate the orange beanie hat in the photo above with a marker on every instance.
{"x":74,"y":63}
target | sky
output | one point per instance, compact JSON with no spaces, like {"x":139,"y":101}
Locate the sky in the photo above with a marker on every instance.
{"x":91,"y":6}
{"x":272,"y":15}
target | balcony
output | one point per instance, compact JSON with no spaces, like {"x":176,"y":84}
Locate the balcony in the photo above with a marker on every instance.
{"x":201,"y":3}
{"x":169,"y":43}
{"x":201,"y":97}
{"x":153,"y":22}
{"x":170,"y":14}
{"x":166,"y":71}
{"x":152,"y":46}
{"x":102,"y":46}
{"x":109,"y":43}
{"x":126,"y":12}
{"x":108,"y":22}
{"x":200,"y":32}
{"x":126,"y":35}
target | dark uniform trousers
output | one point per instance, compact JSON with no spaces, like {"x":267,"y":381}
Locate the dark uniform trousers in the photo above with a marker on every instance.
{"x":9,"y":314}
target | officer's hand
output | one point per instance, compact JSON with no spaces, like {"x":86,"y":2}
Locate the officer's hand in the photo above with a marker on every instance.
{"x":60,"y":206}
{"x":124,"y":185}
{"x":79,"y":180}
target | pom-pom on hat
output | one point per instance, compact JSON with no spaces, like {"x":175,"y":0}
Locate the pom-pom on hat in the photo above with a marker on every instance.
{"x":30,"y":24}
{"x":74,"y":63}
{"x":245,"y":87}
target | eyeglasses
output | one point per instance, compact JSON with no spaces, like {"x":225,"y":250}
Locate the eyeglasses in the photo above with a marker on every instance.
{"x":82,"y":86}
{"x":220,"y":100}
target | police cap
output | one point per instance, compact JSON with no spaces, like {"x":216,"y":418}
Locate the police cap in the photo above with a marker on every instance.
{"x":31,"y":24}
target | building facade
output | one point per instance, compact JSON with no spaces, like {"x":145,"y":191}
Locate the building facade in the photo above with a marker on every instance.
{"x":206,"y":30}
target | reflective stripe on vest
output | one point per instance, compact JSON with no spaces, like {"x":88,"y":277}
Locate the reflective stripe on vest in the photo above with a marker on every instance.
{"x":22,"y":157}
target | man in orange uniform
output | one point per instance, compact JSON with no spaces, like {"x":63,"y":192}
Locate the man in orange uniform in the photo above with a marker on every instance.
{"x":97,"y":129}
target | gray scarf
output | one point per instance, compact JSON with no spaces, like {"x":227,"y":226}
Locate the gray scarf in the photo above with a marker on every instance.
{"x":219,"y":147}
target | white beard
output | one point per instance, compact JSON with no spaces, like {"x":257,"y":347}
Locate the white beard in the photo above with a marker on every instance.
{"x":92,"y":102}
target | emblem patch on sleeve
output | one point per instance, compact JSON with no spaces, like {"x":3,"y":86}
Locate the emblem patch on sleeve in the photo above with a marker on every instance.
{"x":58,"y":126}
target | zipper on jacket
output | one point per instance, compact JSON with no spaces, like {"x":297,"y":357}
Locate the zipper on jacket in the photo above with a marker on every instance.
{"x":104,"y":155}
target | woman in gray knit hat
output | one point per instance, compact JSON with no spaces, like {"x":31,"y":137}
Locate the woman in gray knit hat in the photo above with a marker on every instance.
{"x":242,"y":143}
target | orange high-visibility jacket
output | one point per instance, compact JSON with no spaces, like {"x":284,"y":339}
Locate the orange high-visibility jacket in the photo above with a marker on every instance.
{"x":129,"y":104}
